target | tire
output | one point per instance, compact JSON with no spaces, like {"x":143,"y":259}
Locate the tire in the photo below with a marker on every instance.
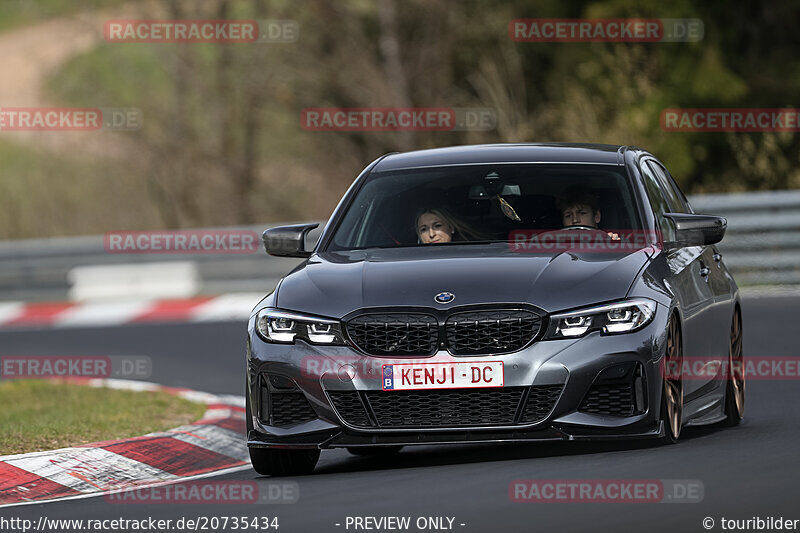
{"x":735,"y":382}
{"x":279,"y":462}
{"x":672,"y":390}
{"x":372,"y":451}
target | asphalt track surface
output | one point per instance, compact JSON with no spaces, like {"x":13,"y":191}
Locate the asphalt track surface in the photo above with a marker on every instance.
{"x":748,"y":471}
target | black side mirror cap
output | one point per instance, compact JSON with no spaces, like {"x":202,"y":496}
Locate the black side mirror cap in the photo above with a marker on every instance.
{"x":287,"y":241}
{"x":697,"y":230}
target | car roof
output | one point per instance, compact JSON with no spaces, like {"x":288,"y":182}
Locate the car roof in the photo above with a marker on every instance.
{"x":608,"y":154}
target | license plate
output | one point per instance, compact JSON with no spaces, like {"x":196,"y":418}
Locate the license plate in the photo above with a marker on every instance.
{"x":466,"y":375}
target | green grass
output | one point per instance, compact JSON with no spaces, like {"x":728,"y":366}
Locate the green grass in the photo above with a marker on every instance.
{"x":50,"y":195}
{"x":26,"y":208}
{"x":115,"y":76}
{"x":102,"y":77}
{"x":42,"y":415}
{"x":14,"y":13}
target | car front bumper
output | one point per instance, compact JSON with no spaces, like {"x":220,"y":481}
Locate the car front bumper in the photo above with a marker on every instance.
{"x":579,"y":370}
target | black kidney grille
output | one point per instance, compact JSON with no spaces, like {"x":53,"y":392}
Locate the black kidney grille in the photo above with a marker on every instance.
{"x":610,"y":400}
{"x":491,"y":331}
{"x":395,"y":334}
{"x":541,"y":400}
{"x":290,"y":408}
{"x":445,"y":408}
{"x":349,"y":407}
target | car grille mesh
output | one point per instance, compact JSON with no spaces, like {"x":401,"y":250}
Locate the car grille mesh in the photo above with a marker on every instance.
{"x":290,"y":408}
{"x":541,"y":400}
{"x":609,"y":400}
{"x":491,"y":331}
{"x":349,"y":407}
{"x":394,"y":334}
{"x":444,"y":408}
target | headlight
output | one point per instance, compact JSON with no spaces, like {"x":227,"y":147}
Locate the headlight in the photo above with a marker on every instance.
{"x":274,"y":325}
{"x":620,"y":317}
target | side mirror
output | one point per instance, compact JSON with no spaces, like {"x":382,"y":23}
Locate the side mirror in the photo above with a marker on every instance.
{"x":697,"y":230}
{"x":287,"y":241}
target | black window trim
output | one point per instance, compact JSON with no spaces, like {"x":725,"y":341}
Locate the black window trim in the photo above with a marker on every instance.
{"x":685,"y":206}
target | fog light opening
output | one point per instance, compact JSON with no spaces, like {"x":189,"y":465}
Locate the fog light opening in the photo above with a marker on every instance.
{"x":639,"y":396}
{"x":264,"y":403}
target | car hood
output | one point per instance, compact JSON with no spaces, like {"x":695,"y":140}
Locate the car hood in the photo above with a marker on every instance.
{"x":334,"y":284}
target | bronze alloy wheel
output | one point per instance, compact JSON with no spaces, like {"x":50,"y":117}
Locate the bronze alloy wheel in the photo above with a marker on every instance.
{"x":734,"y":401}
{"x":672,"y":398}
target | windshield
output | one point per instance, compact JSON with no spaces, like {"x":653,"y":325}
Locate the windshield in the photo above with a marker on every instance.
{"x":483,"y":203}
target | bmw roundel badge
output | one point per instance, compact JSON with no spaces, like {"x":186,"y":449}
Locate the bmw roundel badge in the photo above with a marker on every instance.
{"x":444,"y":297}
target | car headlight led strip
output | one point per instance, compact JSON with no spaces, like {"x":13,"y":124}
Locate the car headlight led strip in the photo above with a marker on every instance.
{"x":274,"y":325}
{"x":619,"y":317}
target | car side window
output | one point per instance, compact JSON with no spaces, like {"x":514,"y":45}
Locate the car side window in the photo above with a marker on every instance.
{"x":682,"y":196}
{"x":674,"y":197}
{"x":658,"y":201}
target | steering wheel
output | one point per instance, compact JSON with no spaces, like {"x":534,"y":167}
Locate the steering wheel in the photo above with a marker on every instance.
{"x":604,"y":233}
{"x":611,"y":235}
{"x":578,"y":226}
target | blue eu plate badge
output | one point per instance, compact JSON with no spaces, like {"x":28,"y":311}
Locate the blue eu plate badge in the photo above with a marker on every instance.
{"x":388,"y":377}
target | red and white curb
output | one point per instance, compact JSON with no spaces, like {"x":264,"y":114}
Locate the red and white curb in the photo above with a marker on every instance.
{"x":234,"y":306}
{"x":226,"y":307}
{"x":211,"y":446}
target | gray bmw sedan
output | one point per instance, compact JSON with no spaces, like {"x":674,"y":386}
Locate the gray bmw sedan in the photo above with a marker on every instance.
{"x":495,"y":293}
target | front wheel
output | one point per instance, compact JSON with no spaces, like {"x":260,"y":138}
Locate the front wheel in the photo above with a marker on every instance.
{"x":734,"y":388}
{"x":280,"y":462}
{"x":672,"y":394}
{"x":370,"y":451}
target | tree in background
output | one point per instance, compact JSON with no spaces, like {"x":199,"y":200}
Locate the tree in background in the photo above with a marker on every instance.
{"x":223,"y":144}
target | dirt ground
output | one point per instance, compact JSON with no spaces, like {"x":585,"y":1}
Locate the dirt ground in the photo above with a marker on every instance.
{"x":28,"y":55}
